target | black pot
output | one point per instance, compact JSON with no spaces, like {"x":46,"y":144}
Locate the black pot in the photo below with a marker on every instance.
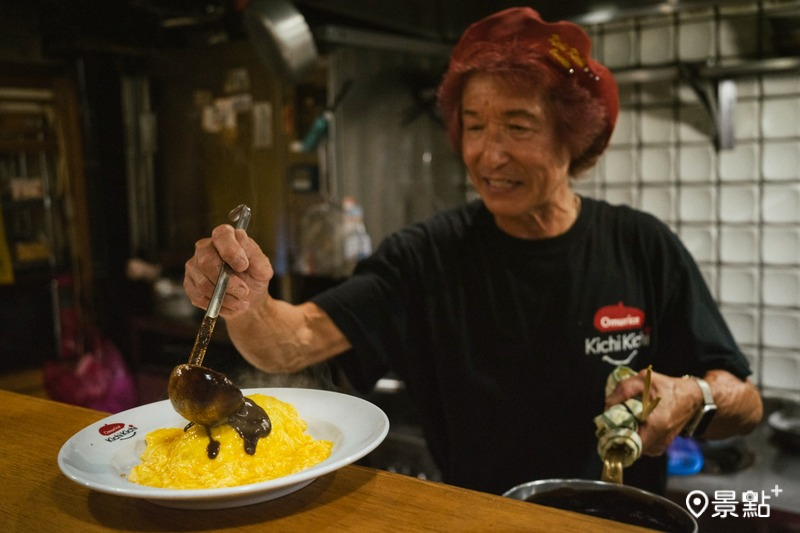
{"x":611,"y":501}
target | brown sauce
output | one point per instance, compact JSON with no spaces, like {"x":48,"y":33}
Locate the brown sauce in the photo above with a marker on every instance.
{"x":615,"y":505}
{"x":250,"y":421}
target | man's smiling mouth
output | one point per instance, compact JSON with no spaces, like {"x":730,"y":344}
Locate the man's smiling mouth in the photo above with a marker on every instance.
{"x":500,"y":184}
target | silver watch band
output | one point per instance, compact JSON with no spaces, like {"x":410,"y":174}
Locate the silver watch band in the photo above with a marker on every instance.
{"x":703,"y":416}
{"x":708,"y":397}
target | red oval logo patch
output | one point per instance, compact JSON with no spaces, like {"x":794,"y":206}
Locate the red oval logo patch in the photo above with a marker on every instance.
{"x":618,"y":317}
{"x":108,"y":429}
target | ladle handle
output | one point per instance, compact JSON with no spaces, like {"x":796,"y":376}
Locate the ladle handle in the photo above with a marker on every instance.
{"x":241,"y":215}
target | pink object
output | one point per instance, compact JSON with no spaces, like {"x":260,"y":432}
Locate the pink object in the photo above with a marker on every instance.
{"x":98,"y":379}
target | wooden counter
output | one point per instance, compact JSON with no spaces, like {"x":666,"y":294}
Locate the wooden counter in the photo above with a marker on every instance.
{"x":36,"y":496}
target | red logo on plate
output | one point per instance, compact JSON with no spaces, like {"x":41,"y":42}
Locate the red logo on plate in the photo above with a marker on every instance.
{"x":618,"y":317}
{"x":108,"y":429}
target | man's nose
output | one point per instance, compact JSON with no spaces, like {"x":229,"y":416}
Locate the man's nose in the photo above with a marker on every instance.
{"x":495,"y":146}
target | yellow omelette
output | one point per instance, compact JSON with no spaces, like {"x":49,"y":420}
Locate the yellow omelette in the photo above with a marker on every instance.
{"x":178,"y":459}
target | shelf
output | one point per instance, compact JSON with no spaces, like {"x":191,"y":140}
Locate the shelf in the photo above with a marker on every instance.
{"x":708,"y":71}
{"x":40,"y":146}
{"x":39,"y":265}
{"x":26,"y":145}
{"x":23,"y":203}
{"x":713,"y":84}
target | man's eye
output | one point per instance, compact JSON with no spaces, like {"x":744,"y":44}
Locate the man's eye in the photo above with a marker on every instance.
{"x":520,"y":132}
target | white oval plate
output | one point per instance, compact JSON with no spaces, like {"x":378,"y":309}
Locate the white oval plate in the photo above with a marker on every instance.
{"x":101,"y":455}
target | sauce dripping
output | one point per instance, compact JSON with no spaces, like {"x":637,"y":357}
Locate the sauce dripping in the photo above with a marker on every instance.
{"x":250,"y":421}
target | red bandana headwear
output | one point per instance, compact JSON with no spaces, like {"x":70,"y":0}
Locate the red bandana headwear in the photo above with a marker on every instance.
{"x":565,"y":46}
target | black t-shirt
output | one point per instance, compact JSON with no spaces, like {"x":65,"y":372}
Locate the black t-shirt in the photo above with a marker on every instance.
{"x":505,"y":344}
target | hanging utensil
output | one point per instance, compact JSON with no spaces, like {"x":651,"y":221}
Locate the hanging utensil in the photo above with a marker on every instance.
{"x":281,"y":37}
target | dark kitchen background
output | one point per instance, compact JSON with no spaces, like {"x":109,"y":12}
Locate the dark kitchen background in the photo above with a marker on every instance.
{"x":129,"y":129}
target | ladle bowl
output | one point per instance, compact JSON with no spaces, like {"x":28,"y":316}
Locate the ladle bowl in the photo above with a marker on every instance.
{"x":202,"y":395}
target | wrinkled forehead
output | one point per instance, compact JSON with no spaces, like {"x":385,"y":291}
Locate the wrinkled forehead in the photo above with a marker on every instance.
{"x":490,"y":91}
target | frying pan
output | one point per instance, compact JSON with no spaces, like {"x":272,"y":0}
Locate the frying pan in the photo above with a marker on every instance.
{"x":281,"y":36}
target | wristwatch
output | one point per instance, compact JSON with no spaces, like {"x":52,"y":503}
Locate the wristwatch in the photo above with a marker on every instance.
{"x":699,"y":423}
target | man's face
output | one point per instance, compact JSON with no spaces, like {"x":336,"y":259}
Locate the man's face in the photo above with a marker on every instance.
{"x":514,"y":160}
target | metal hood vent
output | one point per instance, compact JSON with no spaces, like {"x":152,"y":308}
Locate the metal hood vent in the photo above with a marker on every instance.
{"x":445,"y":20}
{"x":137,"y":25}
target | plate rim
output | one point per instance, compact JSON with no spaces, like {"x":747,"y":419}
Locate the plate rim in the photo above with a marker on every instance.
{"x":160,"y":494}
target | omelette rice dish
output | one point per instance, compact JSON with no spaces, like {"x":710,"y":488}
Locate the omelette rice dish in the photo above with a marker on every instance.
{"x":175,"y":458}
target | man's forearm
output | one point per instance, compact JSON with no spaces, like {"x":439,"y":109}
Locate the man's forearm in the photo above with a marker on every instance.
{"x":278,"y":337}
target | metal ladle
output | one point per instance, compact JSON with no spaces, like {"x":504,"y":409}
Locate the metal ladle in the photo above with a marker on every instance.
{"x":199,"y":394}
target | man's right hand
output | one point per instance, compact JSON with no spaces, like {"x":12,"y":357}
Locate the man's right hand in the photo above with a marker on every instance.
{"x":250,"y":276}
